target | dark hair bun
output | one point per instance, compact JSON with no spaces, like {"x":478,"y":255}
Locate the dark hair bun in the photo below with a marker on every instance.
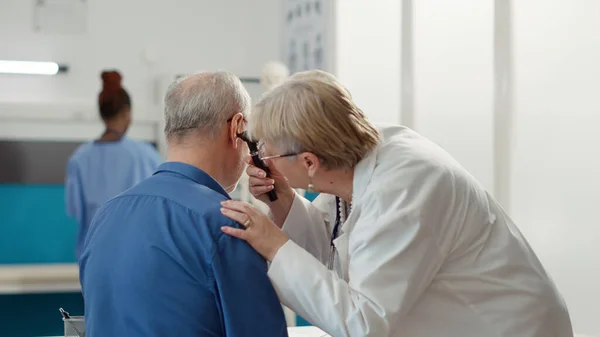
{"x":113,"y":98}
{"x":111,"y":83}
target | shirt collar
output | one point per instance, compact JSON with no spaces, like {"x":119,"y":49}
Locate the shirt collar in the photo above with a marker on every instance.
{"x":193,"y":173}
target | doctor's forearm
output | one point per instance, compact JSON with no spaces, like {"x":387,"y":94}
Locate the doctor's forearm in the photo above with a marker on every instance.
{"x":280,"y":208}
{"x":306,"y":226}
{"x":315,"y":293}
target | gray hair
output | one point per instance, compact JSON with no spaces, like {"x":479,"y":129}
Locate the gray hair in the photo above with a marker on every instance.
{"x":203,"y":102}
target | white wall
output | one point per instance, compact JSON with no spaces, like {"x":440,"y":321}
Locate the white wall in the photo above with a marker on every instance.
{"x":555,"y":154}
{"x":453,"y":80}
{"x":186,"y":35}
{"x":453,"y":83}
{"x":367,"y":54}
{"x":556,"y":158}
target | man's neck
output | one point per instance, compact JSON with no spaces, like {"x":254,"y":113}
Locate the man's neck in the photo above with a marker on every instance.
{"x":211,"y":162}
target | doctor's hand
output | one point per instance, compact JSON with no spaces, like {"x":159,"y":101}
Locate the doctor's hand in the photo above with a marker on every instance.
{"x":260,"y":232}
{"x":260,"y":184}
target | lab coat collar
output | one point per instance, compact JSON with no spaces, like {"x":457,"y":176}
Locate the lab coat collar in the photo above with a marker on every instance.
{"x":193,"y":173}
{"x":362,"y":175}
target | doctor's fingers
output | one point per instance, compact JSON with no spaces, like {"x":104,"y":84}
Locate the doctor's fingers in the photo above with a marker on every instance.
{"x":261,"y":186}
{"x":239,"y":217}
{"x":253,"y":225}
{"x":254,"y":171}
{"x":241,"y":207}
{"x":235,"y":232}
{"x":254,"y":181}
{"x":258,"y":191}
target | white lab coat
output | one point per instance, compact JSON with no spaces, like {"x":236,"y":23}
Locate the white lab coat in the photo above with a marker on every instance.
{"x":425,"y":252}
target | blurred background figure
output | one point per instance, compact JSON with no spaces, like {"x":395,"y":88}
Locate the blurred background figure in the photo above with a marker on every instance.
{"x":100,"y":169}
{"x":273,"y":74}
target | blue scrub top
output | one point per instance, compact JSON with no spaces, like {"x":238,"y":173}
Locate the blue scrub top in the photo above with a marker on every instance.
{"x":155,"y":263}
{"x":98,"y":171}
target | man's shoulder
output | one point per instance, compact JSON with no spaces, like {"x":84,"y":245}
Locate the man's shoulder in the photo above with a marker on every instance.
{"x":191,"y":195}
{"x":160,"y":194}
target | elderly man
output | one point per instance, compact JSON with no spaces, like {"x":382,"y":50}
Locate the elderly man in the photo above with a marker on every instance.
{"x":155,"y":262}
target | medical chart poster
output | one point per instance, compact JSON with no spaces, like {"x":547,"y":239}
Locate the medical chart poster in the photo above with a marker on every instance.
{"x":307,"y":34}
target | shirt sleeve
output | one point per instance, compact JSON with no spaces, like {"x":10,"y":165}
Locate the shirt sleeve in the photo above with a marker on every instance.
{"x":74,"y":198}
{"x":248,"y":300}
{"x":393,"y":256}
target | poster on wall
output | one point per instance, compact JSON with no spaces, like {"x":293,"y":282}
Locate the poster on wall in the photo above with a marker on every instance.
{"x":306,"y":34}
{"x":61,"y":16}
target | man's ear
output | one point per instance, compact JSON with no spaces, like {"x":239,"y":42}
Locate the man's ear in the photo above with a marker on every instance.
{"x":311,"y":162}
{"x":236,"y":126}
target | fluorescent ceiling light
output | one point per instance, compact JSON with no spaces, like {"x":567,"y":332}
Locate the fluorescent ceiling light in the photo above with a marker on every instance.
{"x":31,"y":67}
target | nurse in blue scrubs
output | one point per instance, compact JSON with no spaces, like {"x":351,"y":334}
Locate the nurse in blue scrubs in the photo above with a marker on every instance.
{"x":101,"y":169}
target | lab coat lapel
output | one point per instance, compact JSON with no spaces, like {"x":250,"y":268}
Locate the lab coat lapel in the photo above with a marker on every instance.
{"x":341,"y":245}
{"x":362,"y":176}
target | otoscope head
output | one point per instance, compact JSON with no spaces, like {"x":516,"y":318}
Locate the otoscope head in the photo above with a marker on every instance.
{"x":252,"y":145}
{"x":244,"y":136}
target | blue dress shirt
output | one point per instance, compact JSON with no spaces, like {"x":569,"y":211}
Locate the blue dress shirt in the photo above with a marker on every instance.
{"x":98,"y":171}
{"x":155,"y":263}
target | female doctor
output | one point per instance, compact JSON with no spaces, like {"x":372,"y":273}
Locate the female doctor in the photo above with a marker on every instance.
{"x":402,"y":241}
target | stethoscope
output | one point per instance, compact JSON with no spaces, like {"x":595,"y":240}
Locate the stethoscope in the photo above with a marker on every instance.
{"x":334,"y":233}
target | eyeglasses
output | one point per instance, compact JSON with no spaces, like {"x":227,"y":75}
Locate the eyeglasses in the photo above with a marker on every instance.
{"x":262,"y":157}
{"x":279,"y":156}
{"x":254,"y":146}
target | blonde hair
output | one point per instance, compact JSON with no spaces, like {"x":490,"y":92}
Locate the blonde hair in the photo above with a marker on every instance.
{"x":314,"y":113}
{"x":317,"y":74}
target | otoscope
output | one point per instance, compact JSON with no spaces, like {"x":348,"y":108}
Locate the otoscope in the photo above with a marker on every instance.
{"x":253,"y":146}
